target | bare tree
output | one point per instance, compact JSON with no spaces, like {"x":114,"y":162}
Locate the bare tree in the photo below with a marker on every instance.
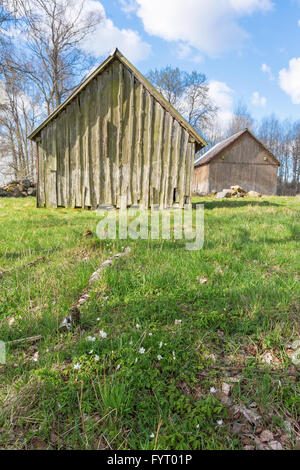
{"x":187,"y":92}
{"x":242,"y":119}
{"x":19,"y":113}
{"x":52,"y":58}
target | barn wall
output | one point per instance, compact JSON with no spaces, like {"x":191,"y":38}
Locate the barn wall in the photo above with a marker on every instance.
{"x":114,"y":144}
{"x":245,"y":163}
{"x":201,"y":180}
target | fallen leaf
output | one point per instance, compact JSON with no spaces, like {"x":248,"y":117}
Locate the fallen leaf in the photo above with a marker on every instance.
{"x":266,"y":436}
{"x":250,"y":415}
{"x":38,"y":444}
{"x":226,"y":388}
{"x":275,"y":445}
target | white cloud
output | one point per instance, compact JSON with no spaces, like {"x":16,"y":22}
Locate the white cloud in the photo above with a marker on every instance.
{"x":298,"y":22}
{"x":267,"y":70}
{"x":211,"y":27}
{"x":107,"y":37}
{"x":289,"y":80}
{"x":258,"y":100}
{"x":222,"y":96}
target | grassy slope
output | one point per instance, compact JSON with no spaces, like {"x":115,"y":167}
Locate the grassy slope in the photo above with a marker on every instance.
{"x":119,"y":397}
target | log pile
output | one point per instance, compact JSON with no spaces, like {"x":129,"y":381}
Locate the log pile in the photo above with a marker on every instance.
{"x":22,"y":188}
{"x":236,"y":191}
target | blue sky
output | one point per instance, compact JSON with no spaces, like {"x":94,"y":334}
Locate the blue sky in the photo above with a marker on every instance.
{"x":249,"y":49}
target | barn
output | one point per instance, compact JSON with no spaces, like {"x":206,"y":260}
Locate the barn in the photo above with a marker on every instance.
{"x":239,"y":160}
{"x":115,"y":142}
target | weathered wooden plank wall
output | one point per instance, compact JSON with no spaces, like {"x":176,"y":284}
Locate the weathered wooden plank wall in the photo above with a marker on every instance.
{"x":244,"y":163}
{"x":115,"y":144}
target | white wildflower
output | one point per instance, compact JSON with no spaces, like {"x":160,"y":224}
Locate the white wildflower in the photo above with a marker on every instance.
{"x":97,"y":358}
{"x":198,"y":426}
{"x":152,"y":436}
{"x":213,"y":390}
{"x":77,"y":366}
{"x":118,"y":366}
{"x":91,"y":351}
{"x":159,"y":357}
{"x":150,"y":334}
{"x":131,"y":342}
{"x":136,"y":359}
{"x":174,"y":357}
{"x":103,"y":334}
{"x":138,"y":326}
{"x":220,"y":422}
{"x":142,"y":350}
{"x":161,"y":344}
{"x":92,"y":339}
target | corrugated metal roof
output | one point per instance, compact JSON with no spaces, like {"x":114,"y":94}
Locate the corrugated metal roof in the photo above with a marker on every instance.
{"x":221,"y":146}
{"x":151,"y":89}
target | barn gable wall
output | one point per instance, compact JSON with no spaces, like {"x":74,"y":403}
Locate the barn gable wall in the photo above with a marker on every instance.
{"x":245,"y":163}
{"x":114,"y":144}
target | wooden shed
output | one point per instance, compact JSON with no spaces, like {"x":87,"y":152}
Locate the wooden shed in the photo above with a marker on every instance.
{"x":115,"y":141}
{"x":239,"y":160}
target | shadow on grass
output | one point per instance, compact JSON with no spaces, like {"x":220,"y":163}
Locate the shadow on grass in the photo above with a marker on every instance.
{"x":229,"y":204}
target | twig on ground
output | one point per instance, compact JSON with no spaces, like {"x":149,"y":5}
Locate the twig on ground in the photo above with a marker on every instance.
{"x":31,"y":339}
{"x":73,"y":317}
{"x":27,"y":265}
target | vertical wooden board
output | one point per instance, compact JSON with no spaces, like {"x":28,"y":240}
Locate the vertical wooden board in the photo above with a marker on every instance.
{"x":119,"y":121}
{"x":100,"y":84}
{"x":105,"y":105}
{"x":115,"y":132}
{"x":110,"y":137}
{"x":187,"y":181}
{"x":72,"y":167}
{"x":166,"y":154}
{"x":67,"y":159}
{"x":182,"y":166}
{"x":125,"y":140}
{"x":130,"y":138}
{"x":156,"y":153}
{"x":136,"y":173}
{"x":176,"y":149}
{"x":93,"y":150}
{"x":41,"y":168}
{"x":139,"y":139}
{"x":84,"y":103}
{"x":147,"y":149}
{"x":59,"y":175}
{"x":78,"y":154}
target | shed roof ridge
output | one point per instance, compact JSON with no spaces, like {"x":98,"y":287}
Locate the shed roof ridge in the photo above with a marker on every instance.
{"x":220,"y":146}
{"x":150,"y":88}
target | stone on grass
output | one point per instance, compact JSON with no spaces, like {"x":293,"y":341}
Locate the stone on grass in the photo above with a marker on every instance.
{"x":254,"y":194}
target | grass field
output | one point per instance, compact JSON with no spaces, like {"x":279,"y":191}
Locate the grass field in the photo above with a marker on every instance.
{"x":216,"y":379}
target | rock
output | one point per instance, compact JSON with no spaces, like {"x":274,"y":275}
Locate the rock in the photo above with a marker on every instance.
{"x":3,"y":193}
{"x":238,"y":189}
{"x":266,"y":436}
{"x":31,"y":192}
{"x":26,"y":183}
{"x":254,"y":194}
{"x":224,"y":194}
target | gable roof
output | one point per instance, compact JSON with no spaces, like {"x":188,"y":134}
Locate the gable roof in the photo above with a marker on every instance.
{"x":221,"y":146}
{"x":150,"y":88}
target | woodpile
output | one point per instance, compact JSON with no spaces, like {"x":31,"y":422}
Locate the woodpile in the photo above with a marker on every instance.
{"x":236,"y":191}
{"x":22,"y":188}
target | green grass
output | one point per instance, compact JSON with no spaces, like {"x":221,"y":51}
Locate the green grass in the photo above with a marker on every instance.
{"x":120,"y":398}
